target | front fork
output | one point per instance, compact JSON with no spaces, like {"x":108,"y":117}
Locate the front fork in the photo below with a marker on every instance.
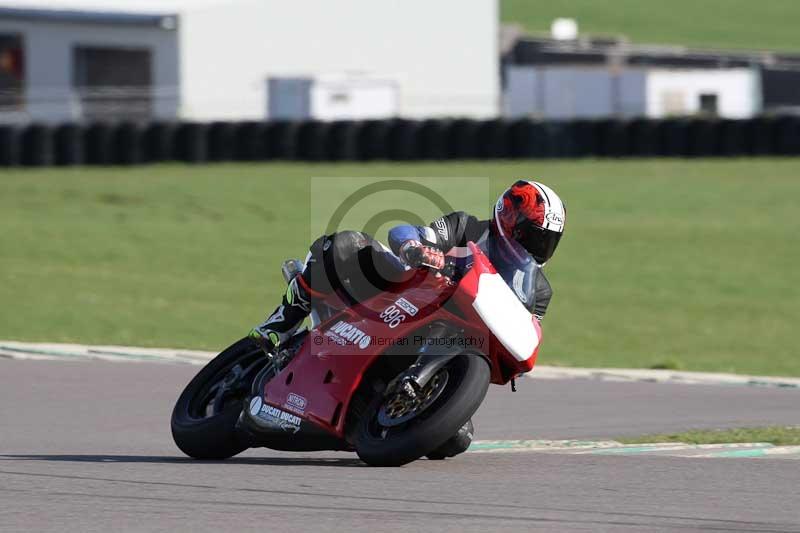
{"x":432,"y":357}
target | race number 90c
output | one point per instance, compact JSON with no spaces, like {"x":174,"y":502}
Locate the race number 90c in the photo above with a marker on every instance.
{"x":392,"y":316}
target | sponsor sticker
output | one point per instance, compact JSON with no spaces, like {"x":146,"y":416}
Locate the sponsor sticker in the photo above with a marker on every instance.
{"x":296,"y":403}
{"x":407,"y":306}
{"x":344,"y":333}
{"x":555,"y":218}
{"x":274,"y":416}
{"x":255,"y":405}
{"x":441,"y":227}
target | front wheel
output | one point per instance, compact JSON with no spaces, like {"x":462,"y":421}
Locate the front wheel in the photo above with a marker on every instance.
{"x":393,"y":433}
{"x":205,"y":415}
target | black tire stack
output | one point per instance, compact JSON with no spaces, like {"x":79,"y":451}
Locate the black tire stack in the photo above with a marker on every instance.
{"x":129,"y":143}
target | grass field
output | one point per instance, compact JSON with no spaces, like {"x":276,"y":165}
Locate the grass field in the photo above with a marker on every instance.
{"x":777,"y":435}
{"x":771,"y":24}
{"x":677,"y":263}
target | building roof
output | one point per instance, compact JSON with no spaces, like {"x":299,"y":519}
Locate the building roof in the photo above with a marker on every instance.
{"x":129,"y":12}
{"x":115,"y":6}
{"x":540,"y":51}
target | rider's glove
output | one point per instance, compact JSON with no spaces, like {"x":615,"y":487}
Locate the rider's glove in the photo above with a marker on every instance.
{"x":416,"y":254}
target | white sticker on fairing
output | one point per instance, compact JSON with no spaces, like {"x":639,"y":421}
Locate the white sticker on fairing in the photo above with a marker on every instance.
{"x":407,"y":306}
{"x":506,"y":317}
{"x":274,"y":416}
{"x":296,"y":403}
{"x":255,"y":405}
{"x":343,"y":334}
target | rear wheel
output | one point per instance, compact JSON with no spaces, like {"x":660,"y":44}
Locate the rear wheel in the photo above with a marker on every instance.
{"x":395,"y":431}
{"x":205,"y":415}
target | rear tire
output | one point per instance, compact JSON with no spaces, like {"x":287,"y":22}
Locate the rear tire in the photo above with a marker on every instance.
{"x":463,"y":394}
{"x":203,"y":436}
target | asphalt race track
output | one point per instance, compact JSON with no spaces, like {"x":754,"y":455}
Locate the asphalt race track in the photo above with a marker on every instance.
{"x":86,"y":447}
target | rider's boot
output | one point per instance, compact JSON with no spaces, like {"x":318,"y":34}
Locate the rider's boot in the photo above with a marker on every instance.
{"x":285,"y":320}
{"x":458,"y":443}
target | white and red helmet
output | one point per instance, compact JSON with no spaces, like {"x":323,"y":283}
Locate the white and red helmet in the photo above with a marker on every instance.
{"x":532,"y":215}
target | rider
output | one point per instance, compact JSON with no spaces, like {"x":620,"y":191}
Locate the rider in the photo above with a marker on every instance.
{"x":356,"y":265}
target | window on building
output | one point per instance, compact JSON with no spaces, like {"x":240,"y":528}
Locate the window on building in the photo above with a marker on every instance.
{"x":12,"y":73}
{"x":708,"y":103}
{"x":113,"y":83}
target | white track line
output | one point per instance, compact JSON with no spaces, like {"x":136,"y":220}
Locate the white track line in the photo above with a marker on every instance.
{"x":669,"y":449}
{"x":663,"y":376}
{"x":81,"y":352}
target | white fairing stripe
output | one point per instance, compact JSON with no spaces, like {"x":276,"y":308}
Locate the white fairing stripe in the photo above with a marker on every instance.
{"x":506,"y":317}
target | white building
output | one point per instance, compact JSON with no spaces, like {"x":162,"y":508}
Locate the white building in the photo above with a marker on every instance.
{"x":216,"y":60}
{"x":589,"y":77}
{"x":569,"y":92}
{"x":728,"y":93}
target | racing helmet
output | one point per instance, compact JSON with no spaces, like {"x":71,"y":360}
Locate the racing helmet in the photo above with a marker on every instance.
{"x":529,"y":216}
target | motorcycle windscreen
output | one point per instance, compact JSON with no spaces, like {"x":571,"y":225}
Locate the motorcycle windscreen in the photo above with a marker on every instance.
{"x":516,"y":266}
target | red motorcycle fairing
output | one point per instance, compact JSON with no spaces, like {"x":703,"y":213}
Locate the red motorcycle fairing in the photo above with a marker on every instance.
{"x":317,"y":385}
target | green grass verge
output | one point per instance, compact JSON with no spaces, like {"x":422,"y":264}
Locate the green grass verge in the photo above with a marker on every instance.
{"x":777,"y":435}
{"x":711,"y":23}
{"x":678,"y":263}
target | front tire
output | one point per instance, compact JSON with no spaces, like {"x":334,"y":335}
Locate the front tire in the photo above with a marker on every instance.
{"x":378,"y":445}
{"x":205,"y":415}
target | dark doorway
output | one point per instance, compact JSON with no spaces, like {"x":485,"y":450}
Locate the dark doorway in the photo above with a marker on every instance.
{"x":12,"y":73}
{"x":113,"y":83}
{"x":708,"y":103}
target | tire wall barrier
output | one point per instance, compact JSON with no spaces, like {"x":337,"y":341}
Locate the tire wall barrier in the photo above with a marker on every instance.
{"x":129,"y":143}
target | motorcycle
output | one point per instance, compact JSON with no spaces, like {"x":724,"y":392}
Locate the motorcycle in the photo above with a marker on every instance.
{"x":394,"y":378}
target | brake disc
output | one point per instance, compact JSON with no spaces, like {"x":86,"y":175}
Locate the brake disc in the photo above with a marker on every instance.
{"x":401,"y":407}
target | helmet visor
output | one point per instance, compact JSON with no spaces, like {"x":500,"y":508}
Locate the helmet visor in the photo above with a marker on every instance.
{"x":539,"y":242}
